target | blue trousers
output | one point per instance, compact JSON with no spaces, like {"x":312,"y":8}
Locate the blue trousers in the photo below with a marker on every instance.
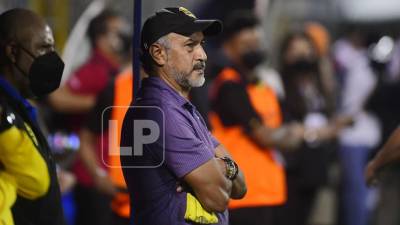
{"x":354,"y":192}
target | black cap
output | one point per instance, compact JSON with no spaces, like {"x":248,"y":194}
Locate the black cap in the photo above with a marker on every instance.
{"x":178,"y":20}
{"x":239,"y":20}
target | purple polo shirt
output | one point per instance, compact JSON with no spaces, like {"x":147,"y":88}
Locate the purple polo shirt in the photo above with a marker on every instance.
{"x":183,"y":145}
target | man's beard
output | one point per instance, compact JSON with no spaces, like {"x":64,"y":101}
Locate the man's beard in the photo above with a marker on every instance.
{"x":187,"y":81}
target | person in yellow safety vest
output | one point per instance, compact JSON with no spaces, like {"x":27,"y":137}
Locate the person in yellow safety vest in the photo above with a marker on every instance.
{"x":97,"y":135}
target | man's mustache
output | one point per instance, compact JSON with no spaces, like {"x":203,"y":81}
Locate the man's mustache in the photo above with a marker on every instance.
{"x":199,"y":66}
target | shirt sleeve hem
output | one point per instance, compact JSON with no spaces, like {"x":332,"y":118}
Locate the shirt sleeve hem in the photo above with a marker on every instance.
{"x":194,"y":166}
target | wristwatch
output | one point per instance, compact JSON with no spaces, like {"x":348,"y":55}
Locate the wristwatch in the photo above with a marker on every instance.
{"x":232,"y":168}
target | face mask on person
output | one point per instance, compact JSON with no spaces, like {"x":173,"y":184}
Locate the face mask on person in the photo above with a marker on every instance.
{"x":251,"y":59}
{"x":120,"y":43}
{"x":302,"y":65}
{"x":45,"y":73}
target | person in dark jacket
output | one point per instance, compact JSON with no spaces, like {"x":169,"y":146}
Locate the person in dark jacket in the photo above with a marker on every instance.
{"x":29,"y":68}
{"x":306,"y":103}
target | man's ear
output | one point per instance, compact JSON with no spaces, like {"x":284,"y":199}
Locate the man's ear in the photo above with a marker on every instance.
{"x":158,"y":53}
{"x":11,"y":52}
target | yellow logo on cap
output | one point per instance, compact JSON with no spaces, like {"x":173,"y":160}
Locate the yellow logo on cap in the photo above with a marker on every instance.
{"x":187,"y":12}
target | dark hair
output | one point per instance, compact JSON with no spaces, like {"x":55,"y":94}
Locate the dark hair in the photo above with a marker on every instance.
{"x":147,"y":62}
{"x":294,"y":103}
{"x":237,"y":21}
{"x":98,"y":25}
{"x":288,"y":39}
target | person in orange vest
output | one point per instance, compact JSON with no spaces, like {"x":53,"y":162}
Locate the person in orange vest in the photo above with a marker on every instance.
{"x":97,"y":135}
{"x":246,"y":118}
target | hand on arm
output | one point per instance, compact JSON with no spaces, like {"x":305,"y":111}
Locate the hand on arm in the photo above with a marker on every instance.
{"x":389,"y":154}
{"x":286,"y":137}
{"x":210,"y":185}
{"x":331,"y":130}
{"x":231,"y":95}
{"x":292,"y":135}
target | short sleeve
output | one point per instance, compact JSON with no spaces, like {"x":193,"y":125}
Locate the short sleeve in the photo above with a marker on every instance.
{"x":88,"y":80}
{"x":177,"y":147}
{"x":232,"y":95}
{"x":184,"y":151}
{"x":214,"y":141}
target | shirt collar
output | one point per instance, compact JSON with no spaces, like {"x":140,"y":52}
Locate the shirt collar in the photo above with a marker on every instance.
{"x":160,"y":83}
{"x":11,"y":91}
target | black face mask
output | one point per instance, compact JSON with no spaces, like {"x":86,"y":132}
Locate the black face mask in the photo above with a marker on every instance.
{"x":126,"y":43}
{"x":301,"y":66}
{"x":121,"y":43}
{"x":252,"y":59}
{"x":45,"y":73}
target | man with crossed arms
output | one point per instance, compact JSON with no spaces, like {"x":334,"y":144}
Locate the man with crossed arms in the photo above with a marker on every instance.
{"x":185,"y":156}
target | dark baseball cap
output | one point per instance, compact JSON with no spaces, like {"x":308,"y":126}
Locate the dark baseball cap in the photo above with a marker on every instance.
{"x":177,"y":20}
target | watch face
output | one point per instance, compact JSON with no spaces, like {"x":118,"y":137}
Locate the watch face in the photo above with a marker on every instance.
{"x":231,"y":168}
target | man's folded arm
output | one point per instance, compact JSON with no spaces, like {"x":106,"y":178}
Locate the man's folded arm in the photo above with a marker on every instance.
{"x":210,"y":185}
{"x":239,"y":188}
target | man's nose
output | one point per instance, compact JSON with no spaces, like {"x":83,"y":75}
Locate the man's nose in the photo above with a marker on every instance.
{"x":201,"y":54}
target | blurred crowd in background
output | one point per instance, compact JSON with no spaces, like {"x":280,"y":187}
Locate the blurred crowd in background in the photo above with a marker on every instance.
{"x":333,"y":65}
